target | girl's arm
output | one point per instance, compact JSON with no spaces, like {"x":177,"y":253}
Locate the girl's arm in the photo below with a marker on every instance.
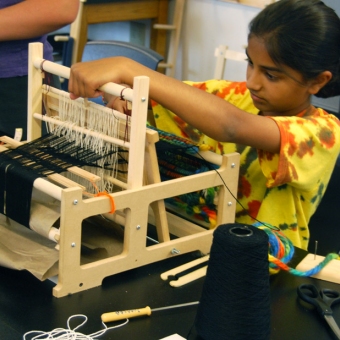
{"x":210,"y":114}
{"x":33,"y":18}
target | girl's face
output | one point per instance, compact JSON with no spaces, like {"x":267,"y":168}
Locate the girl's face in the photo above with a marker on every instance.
{"x":275,"y":90}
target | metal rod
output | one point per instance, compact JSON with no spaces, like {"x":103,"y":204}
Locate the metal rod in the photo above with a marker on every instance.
{"x":316,"y":247}
{"x":175,"y":306}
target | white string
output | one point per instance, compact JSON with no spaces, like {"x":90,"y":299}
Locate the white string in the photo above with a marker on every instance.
{"x":70,"y":334}
{"x":75,"y":112}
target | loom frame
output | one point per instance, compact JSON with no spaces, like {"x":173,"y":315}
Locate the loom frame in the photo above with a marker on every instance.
{"x":142,"y":201}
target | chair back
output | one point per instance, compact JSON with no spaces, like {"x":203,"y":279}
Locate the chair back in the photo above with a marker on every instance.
{"x":99,"y":49}
{"x":67,"y":52}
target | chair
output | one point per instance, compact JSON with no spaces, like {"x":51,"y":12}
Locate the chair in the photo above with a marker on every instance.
{"x":222,"y":54}
{"x":103,"y":11}
{"x":99,"y":49}
{"x":174,"y":30}
{"x":324,"y":225}
{"x":66,"y":55}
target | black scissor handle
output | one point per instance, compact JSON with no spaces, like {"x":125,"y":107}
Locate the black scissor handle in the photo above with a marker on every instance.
{"x":330,"y":296}
{"x":310,"y":294}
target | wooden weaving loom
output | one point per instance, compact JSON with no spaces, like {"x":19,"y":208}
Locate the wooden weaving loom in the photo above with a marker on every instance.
{"x":139,"y":200}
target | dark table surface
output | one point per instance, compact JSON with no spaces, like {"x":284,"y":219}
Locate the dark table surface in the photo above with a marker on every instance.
{"x":27,"y":304}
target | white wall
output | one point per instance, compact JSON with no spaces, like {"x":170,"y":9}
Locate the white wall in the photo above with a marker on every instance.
{"x":207,"y":24}
{"x":334,"y":4}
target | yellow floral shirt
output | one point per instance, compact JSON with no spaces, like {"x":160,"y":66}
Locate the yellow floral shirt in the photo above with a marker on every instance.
{"x":282,"y":189}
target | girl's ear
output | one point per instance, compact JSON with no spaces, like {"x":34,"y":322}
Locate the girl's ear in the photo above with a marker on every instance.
{"x":319,"y":82}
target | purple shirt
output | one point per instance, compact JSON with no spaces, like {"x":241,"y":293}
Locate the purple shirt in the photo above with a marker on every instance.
{"x":14,"y":53}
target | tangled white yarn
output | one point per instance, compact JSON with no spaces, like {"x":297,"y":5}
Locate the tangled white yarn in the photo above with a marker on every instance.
{"x":70,"y":334}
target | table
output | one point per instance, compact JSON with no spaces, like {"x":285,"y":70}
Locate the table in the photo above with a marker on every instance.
{"x":102,"y":11}
{"x":27,"y":304}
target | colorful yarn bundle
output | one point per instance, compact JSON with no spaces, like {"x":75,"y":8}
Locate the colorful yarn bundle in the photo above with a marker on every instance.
{"x":176,"y":159}
{"x":281,"y":251}
{"x":198,"y":205}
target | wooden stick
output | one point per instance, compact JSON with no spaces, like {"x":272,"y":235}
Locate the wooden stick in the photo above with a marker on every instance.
{"x":67,"y":183}
{"x":183,"y":280}
{"x":182,"y":268}
{"x":10,"y":141}
{"x":65,"y":72}
{"x":84,"y":174}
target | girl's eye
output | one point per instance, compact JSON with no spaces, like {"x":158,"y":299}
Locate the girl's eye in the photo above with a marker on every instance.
{"x":270,"y":76}
{"x":249,"y":61}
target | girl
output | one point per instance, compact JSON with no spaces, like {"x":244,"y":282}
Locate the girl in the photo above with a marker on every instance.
{"x":288,"y":147}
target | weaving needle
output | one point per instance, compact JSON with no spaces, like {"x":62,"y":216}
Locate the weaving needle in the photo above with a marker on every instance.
{"x":132,"y":313}
{"x":316,"y":247}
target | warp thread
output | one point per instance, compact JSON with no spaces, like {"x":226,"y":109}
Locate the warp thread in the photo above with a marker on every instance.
{"x":235,"y":301}
{"x":49,"y":154}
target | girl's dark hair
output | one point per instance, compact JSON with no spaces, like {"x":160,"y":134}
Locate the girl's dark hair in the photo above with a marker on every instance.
{"x":304,"y":35}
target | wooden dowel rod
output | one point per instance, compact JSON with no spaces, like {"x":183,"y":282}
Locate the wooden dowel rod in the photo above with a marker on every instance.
{"x":64,"y":72}
{"x":48,"y":188}
{"x":116,"y":181}
{"x":55,"y":93}
{"x":164,"y":27}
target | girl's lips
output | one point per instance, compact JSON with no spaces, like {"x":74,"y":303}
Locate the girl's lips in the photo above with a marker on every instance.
{"x":256,"y":98}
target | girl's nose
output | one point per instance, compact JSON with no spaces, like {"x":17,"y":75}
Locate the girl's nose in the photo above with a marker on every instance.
{"x":253,"y":79}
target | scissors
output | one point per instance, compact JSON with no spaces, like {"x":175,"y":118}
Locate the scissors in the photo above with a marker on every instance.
{"x":323,"y":300}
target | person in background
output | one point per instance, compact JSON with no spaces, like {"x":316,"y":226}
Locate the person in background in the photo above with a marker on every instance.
{"x":288,"y":147}
{"x":23,"y":22}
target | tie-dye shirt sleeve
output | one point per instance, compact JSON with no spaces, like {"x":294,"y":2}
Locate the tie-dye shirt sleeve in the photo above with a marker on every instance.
{"x":309,"y":145}
{"x":234,"y":92}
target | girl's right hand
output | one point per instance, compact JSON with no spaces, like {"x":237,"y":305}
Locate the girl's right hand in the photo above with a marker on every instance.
{"x":87,"y":77}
